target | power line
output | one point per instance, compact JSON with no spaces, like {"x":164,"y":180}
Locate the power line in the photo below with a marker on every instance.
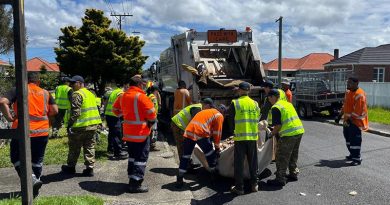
{"x":119,"y":18}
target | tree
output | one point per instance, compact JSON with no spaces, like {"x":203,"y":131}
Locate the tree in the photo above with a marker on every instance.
{"x":6,"y":32}
{"x":99,"y":53}
{"x":49,"y":80}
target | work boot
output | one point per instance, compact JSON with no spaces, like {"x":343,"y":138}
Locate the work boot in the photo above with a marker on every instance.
{"x":88,"y":172}
{"x":254,"y":188}
{"x":292,"y":177}
{"x":236,"y":190}
{"x":37,"y":184}
{"x":179,"y":182}
{"x":355,"y":163}
{"x":349,"y":158}
{"x":266,"y":173}
{"x":120,"y":156}
{"x":276,"y":182}
{"x":68,"y":170}
{"x":137,"y":187}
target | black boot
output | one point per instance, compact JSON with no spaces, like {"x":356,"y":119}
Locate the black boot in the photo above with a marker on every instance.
{"x":137,"y":187}
{"x":37,"y":184}
{"x":67,"y":169}
{"x":179,"y":182}
{"x":88,"y":172}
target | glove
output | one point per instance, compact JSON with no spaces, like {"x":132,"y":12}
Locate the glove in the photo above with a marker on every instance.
{"x":69,"y":130}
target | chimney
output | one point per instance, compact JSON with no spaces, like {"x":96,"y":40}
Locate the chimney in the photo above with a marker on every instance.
{"x":336,"y":54}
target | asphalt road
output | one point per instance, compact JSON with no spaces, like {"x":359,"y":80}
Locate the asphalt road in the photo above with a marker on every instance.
{"x":325,"y":176}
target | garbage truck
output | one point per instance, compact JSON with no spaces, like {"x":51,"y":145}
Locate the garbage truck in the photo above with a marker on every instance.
{"x":211,"y":63}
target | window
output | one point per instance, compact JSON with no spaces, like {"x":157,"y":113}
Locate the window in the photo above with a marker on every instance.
{"x":341,"y":74}
{"x":379,"y":75}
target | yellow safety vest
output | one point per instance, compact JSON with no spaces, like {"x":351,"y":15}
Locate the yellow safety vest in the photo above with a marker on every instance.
{"x":282,"y":96}
{"x":153,"y":98}
{"x":61,"y":97}
{"x":291,"y":124}
{"x":111,"y":100}
{"x":182,"y":118}
{"x":89,"y":112}
{"x":246,"y":119}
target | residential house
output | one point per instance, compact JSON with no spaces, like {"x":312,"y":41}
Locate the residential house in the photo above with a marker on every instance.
{"x":312,"y":62}
{"x":369,"y":64}
{"x":37,"y":64}
{"x":3,"y":66}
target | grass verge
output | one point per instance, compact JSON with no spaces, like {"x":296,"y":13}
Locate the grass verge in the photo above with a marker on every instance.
{"x":57,"y":152}
{"x":59,"y":200}
{"x":379,"y":115}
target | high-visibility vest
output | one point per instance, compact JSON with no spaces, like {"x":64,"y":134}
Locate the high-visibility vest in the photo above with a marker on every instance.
{"x":113,"y":96}
{"x":153,"y":98}
{"x":207,"y":123}
{"x":61,"y":97}
{"x":149,"y":84}
{"x":291,"y":124}
{"x":182,"y":118}
{"x":38,"y":107}
{"x":98,"y":101}
{"x":89,"y":112}
{"x":246,"y":119}
{"x":282,"y":96}
{"x":355,"y":108}
{"x":137,"y":109}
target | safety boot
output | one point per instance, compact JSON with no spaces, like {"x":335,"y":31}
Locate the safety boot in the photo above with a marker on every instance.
{"x":37,"y":184}
{"x":276,"y":182}
{"x":236,"y":190}
{"x":88,"y":172}
{"x":292,"y":177}
{"x":137,"y":187}
{"x":68,"y":169}
{"x":179,"y":182}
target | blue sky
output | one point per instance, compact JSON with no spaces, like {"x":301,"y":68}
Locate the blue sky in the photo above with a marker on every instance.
{"x":309,"y":25}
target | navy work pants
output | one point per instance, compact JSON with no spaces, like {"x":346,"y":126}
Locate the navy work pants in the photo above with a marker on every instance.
{"x":114,"y":134}
{"x":188,"y":147}
{"x":353,"y":139}
{"x":138,"y":157}
{"x":38,"y":146}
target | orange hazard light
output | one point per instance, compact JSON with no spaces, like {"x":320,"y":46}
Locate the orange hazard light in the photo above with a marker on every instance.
{"x":222,"y":36}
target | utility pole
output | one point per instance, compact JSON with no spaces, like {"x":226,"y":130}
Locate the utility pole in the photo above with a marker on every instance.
{"x":280,"y":19}
{"x":120,"y":18}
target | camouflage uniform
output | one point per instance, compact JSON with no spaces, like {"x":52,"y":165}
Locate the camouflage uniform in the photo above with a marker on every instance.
{"x":81,"y":137}
{"x":287,"y":156}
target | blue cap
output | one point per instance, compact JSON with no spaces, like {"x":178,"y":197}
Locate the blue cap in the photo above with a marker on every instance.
{"x":244,"y":86}
{"x":273,"y":92}
{"x":208,"y":101}
{"x":268,"y":84}
{"x":77,"y":78}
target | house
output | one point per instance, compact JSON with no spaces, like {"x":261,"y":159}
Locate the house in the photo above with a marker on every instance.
{"x":37,"y":64}
{"x":312,"y":62}
{"x":369,"y":64}
{"x":3,"y":66}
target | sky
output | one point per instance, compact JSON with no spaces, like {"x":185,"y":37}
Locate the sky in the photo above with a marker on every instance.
{"x":309,"y":26}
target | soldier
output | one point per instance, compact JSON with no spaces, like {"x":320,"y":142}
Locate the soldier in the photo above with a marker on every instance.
{"x":82,"y":127}
{"x":287,"y":124}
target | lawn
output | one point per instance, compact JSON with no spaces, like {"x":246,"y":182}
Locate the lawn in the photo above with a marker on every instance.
{"x":58,"y":200}
{"x":379,"y":115}
{"x":57,"y":151}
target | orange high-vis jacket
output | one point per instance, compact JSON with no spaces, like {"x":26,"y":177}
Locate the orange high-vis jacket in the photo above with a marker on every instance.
{"x":288,"y":95}
{"x":355,"y":108}
{"x":207,"y":123}
{"x":38,"y":107}
{"x":182,"y":99}
{"x":137,"y":110}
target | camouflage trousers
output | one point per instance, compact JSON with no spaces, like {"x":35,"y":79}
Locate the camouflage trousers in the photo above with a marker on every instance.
{"x":86,"y":140}
{"x":287,"y":156}
{"x":178,"y":135}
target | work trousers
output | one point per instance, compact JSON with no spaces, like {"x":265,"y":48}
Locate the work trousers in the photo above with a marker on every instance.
{"x":353,"y":139}
{"x":59,"y":119}
{"x":114,"y":135}
{"x":38,"y":147}
{"x":242,"y":149}
{"x":287,"y":156}
{"x":85,"y":139}
{"x":138,"y":157}
{"x":188,"y":147}
{"x":178,"y":135}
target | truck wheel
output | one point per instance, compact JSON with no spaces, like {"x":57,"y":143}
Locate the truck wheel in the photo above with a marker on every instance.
{"x":302,"y":111}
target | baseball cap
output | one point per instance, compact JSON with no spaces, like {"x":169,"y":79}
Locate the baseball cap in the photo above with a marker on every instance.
{"x":268,"y":84}
{"x":244,"y":86}
{"x":76,"y":78}
{"x":273,"y":92}
{"x":208,"y":101}
{"x":286,"y":82}
{"x":138,"y":79}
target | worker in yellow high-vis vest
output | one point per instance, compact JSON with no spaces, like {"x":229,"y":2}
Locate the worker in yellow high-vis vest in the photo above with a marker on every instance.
{"x":152,"y":95}
{"x":289,"y":127}
{"x":245,"y":115}
{"x":63,"y":94}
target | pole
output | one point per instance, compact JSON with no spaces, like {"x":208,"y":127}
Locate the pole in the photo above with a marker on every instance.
{"x":120,"y":18}
{"x":21,"y":90}
{"x":280,"y":51}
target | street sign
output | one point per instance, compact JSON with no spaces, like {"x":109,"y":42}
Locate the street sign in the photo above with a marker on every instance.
{"x":222,"y":36}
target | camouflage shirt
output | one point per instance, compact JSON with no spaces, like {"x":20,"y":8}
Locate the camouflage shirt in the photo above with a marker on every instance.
{"x":75,"y":112}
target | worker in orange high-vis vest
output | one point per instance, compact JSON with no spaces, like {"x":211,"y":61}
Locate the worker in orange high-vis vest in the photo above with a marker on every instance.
{"x":204,"y":125}
{"x":139,"y":115}
{"x":355,"y":119}
{"x":40,"y":105}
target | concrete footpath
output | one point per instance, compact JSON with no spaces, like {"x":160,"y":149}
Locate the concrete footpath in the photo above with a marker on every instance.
{"x":110,"y":182}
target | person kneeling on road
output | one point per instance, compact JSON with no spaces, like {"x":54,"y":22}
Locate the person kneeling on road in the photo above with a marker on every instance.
{"x":205,"y":124}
